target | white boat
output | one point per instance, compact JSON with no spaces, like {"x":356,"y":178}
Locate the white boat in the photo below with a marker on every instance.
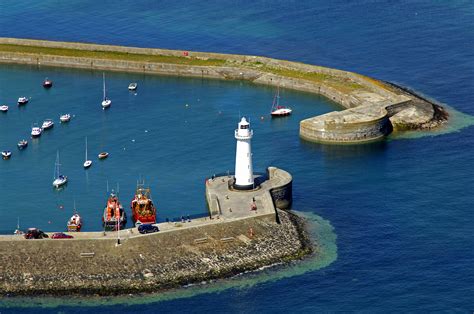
{"x":87,"y":162}
{"x":4,"y":108}
{"x":23,"y":100}
{"x":65,"y":117}
{"x":74,"y":224}
{"x":47,"y":124}
{"x":6,"y":154}
{"x":22,"y":144}
{"x":106,"y":102}
{"x":103,"y":155}
{"x":36,"y":131}
{"x":277,"y":109}
{"x":59,"y":179}
{"x":132,"y":86}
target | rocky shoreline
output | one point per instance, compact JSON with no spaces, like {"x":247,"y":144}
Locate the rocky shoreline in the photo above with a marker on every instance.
{"x":440,"y":115}
{"x":158,"y":262}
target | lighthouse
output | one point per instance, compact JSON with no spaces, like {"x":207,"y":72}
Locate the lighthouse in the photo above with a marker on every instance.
{"x":243,"y":156}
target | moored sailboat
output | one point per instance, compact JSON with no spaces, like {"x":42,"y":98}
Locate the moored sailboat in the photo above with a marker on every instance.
{"x":106,"y":102}
{"x":143,"y":209}
{"x":74,"y":224}
{"x":59,"y":179}
{"x":87,"y":162}
{"x":277,"y":109}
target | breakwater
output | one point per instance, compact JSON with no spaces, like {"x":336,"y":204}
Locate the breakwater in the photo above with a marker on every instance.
{"x":226,"y":243}
{"x":373,"y":108}
{"x":149,"y":263}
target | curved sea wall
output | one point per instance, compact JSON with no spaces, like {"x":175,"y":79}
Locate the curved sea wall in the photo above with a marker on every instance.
{"x":373,"y":108}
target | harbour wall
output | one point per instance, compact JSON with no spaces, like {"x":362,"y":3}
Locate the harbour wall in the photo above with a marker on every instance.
{"x":396,"y":108}
{"x":150,"y":263}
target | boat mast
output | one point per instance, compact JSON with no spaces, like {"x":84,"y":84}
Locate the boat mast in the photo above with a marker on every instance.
{"x":103,"y":80}
{"x":86,"y":149}
{"x":56,"y":166}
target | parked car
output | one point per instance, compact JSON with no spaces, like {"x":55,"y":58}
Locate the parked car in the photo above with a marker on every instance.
{"x":34,"y":233}
{"x":61,"y":235}
{"x":147,"y":228}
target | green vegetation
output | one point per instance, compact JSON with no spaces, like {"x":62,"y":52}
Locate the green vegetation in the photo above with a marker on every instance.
{"x":111,"y":55}
{"x":336,"y":82}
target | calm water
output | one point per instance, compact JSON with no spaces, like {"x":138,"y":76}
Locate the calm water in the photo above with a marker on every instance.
{"x":401,"y":209}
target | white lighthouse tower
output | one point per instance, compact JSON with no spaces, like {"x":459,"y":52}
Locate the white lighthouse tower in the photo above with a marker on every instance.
{"x":243,"y":156}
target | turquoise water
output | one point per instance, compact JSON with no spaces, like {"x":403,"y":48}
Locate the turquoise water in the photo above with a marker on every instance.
{"x":401,"y":209}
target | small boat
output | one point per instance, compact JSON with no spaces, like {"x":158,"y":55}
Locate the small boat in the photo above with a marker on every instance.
{"x":36,"y":131}
{"x":114,"y":217}
{"x":106,"y":102}
{"x":59,"y":179}
{"x":143,"y":209}
{"x":47,"y":83}
{"x":23,"y":100}
{"x":47,"y":124}
{"x":4,"y":108}
{"x":87,"y":162}
{"x":74,"y":224}
{"x":6,"y":154}
{"x":65,"y":118}
{"x":277,"y":109}
{"x":103,"y":155}
{"x":22,"y":144}
{"x":132,"y":86}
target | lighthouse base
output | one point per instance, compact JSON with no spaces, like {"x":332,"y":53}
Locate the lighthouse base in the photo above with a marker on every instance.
{"x":244,"y":187}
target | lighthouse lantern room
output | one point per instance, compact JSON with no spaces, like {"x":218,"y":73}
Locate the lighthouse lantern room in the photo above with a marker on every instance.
{"x":243,"y":157}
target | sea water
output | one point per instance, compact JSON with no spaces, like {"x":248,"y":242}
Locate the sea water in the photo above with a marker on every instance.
{"x":401,"y":208}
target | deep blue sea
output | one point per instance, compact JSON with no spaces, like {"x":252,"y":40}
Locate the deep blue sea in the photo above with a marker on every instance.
{"x":395,"y":217}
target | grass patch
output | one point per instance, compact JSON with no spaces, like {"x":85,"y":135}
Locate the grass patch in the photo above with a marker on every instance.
{"x":339,"y":83}
{"x":111,"y":55}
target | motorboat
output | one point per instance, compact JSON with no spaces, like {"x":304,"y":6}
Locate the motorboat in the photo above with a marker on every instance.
{"x":22,"y":144}
{"x":114,"y":217}
{"x":106,"y":102}
{"x":23,"y":100}
{"x":87,"y":162}
{"x":6,"y":154}
{"x":132,"y":86}
{"x":74,"y":224}
{"x":4,"y":108}
{"x":47,"y":83}
{"x":103,"y":155}
{"x":59,"y":179}
{"x":65,"y":118}
{"x":277,"y":109}
{"x":143,"y":209}
{"x":47,"y":124}
{"x":36,"y":131}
